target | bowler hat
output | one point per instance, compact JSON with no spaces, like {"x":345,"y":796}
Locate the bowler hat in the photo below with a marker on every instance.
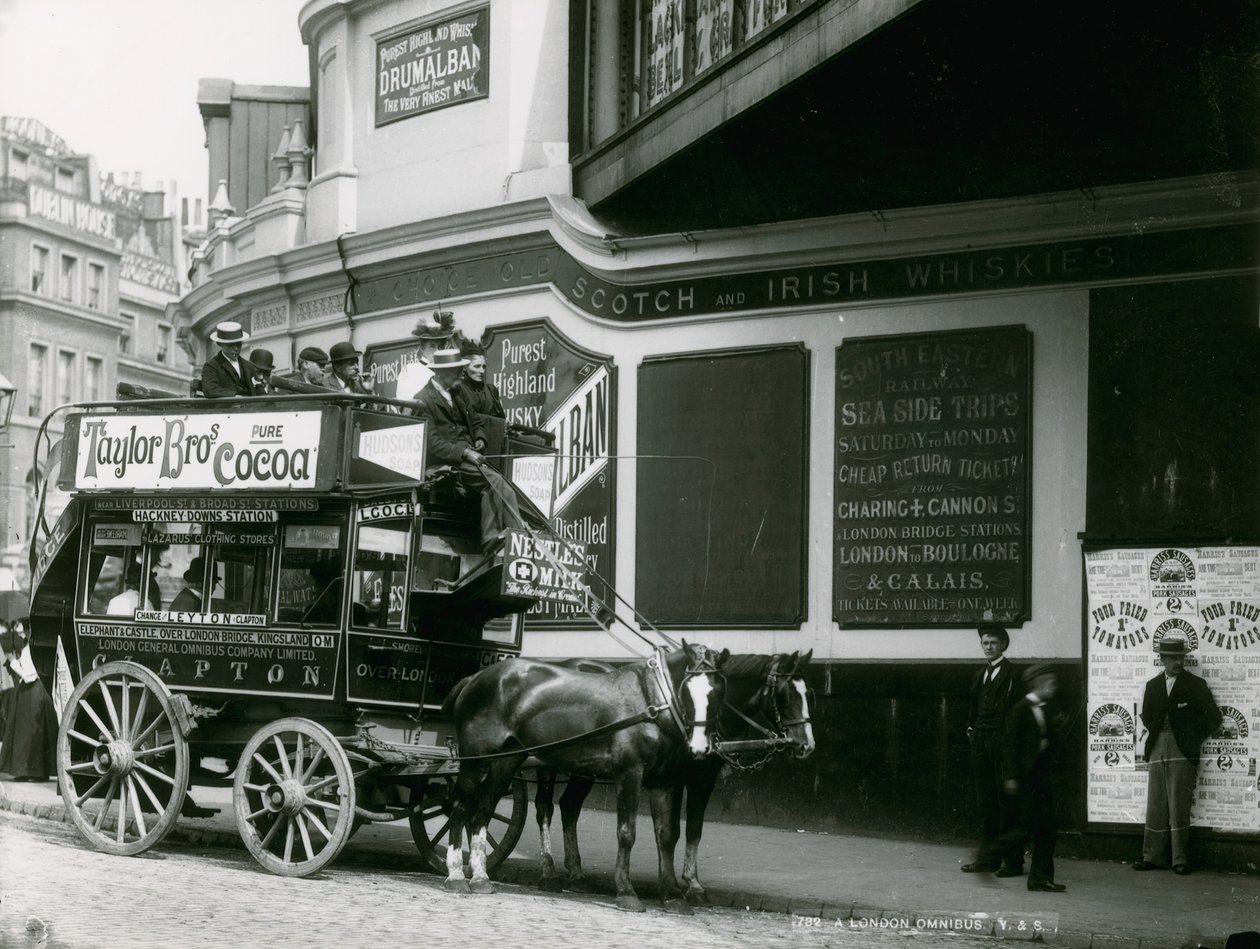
{"x":1172,"y":646}
{"x":314,"y":354}
{"x":447,"y":359}
{"x":262,"y":359}
{"x":1036,"y":671}
{"x":197,"y":569}
{"x":229,"y":332}
{"x":343,"y":351}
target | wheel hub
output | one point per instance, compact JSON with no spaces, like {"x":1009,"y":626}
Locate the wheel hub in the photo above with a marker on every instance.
{"x":285,"y":797}
{"x":117,"y":758}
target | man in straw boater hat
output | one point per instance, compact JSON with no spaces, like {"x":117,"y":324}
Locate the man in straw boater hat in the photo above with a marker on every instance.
{"x":451,"y":438}
{"x":226,"y":375}
{"x":1179,"y":713}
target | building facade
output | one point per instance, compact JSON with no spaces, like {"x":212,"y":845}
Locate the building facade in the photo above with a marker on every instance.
{"x":87,"y":268}
{"x":821,"y":380}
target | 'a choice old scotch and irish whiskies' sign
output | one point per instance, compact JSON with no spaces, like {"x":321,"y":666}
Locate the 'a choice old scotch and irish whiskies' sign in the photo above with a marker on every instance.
{"x":931,"y":490}
{"x":433,"y":66}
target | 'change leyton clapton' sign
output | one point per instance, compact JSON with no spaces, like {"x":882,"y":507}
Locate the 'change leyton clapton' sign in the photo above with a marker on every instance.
{"x":433,"y":66}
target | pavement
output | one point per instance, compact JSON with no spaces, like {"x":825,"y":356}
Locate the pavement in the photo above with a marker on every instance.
{"x":829,"y":880}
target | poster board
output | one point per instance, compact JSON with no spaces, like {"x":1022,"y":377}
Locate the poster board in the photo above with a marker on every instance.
{"x":1135,"y":596}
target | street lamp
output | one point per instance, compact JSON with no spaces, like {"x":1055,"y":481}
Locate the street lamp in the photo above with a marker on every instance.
{"x":8,"y":396}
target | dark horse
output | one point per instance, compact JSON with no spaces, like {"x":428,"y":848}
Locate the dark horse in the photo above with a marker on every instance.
{"x":766,"y":697}
{"x":638,"y":726}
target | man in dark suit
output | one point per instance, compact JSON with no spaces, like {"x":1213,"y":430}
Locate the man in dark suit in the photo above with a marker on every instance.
{"x":993,"y":692}
{"x":227,"y":375}
{"x":451,"y":437}
{"x":1179,"y":713}
{"x":1027,"y":777}
{"x":188,"y":600}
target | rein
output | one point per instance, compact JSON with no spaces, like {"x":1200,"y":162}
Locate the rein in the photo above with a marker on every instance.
{"x":773,"y":741}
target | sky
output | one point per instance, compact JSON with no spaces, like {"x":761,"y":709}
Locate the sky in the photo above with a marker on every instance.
{"x":118,"y":78}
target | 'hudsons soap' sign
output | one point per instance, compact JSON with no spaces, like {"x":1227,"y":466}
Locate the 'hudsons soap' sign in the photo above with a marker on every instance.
{"x":433,"y":66}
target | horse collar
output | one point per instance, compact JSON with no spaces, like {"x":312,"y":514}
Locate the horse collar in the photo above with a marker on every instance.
{"x":669,"y":697}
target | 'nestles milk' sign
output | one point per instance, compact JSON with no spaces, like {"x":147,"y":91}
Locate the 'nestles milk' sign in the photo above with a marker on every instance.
{"x":258,"y":450}
{"x":433,"y":66}
{"x":70,"y":211}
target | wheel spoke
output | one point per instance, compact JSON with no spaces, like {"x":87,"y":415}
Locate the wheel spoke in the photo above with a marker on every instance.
{"x":124,"y":719}
{"x":149,"y":729}
{"x":441,"y":831}
{"x":432,"y":811}
{"x":109,"y":799}
{"x":141,"y":707}
{"x":155,"y":773}
{"x":81,"y":767}
{"x":122,"y":807}
{"x":84,"y":738}
{"x":155,"y":750}
{"x":284,"y":756}
{"x":326,"y":783}
{"x":326,"y":805}
{"x":275,"y":826}
{"x":319,"y":824}
{"x":260,"y":788}
{"x":141,"y":828}
{"x":110,"y":709}
{"x":96,"y":719}
{"x":288,"y":841}
{"x":90,"y":791}
{"x":157,"y":805}
{"x":306,"y":837}
{"x":266,"y":766}
{"x":317,"y":758}
{"x":256,"y":814}
{"x":494,"y":843}
{"x":298,"y":755}
{"x":499,"y":817}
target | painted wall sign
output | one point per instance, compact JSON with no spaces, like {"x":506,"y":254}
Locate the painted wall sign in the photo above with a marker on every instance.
{"x":1023,"y":267}
{"x":1210,"y":597}
{"x":233,"y":452}
{"x":236,"y":658}
{"x":439,"y":64}
{"x":148,"y":272}
{"x":932,"y":479}
{"x":70,"y":211}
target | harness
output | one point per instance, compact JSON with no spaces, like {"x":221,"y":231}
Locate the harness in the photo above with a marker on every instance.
{"x":736,"y":753}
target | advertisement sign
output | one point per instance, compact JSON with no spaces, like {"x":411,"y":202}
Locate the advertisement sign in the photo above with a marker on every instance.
{"x":932,"y":479}
{"x":71,"y":212}
{"x":548,"y":383}
{"x":439,"y":64}
{"x":1210,"y":597}
{"x":544,"y":568}
{"x":149,"y":272}
{"x":387,"y":669}
{"x":270,"y":450}
{"x":666,"y":35}
{"x":385,"y":449}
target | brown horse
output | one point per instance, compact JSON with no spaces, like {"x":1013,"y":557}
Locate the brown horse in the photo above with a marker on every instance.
{"x":638,"y":726}
{"x":765,"y":697}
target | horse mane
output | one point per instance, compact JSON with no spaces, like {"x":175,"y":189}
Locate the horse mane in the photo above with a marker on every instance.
{"x":745,"y":666}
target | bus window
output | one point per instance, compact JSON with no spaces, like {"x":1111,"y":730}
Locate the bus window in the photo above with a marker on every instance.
{"x":176,"y":565}
{"x":380,"y":575}
{"x":113,"y":548}
{"x":310,"y":579}
{"x":242,"y":557}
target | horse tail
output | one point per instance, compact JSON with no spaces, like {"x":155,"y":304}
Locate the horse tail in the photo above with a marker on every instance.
{"x":448,"y":703}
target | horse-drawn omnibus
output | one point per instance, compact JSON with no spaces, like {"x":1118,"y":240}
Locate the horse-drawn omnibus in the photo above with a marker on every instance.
{"x":273,"y":592}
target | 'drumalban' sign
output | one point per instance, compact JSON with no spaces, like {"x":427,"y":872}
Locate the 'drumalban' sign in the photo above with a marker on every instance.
{"x":432,"y":66}
{"x":546,"y":382}
{"x":932,"y":479}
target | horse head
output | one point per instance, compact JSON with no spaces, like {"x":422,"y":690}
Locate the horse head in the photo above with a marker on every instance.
{"x":700,"y":688}
{"x":785,"y":700}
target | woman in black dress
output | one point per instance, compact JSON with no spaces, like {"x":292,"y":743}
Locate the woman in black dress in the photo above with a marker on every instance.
{"x":29,"y":752}
{"x":478,"y":394}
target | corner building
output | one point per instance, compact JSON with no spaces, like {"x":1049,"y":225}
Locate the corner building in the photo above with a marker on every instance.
{"x":856,"y":329}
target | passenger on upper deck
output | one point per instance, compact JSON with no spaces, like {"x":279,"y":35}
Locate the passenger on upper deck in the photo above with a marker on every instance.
{"x":345,"y":370}
{"x":481,"y":396}
{"x":226,"y":375}
{"x":433,"y":335}
{"x":312,"y":368}
{"x":451,"y":439}
{"x":263,"y":364}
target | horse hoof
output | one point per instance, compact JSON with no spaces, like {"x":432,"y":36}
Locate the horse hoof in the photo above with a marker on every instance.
{"x":579,"y":885}
{"x":698,"y":898}
{"x":678,"y":907}
{"x":481,"y":886}
{"x":456,"y":886}
{"x":551,"y":884}
{"x":629,"y":903}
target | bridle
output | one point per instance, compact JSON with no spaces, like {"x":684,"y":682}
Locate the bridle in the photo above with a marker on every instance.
{"x":774,"y":737}
{"x":703,"y":664}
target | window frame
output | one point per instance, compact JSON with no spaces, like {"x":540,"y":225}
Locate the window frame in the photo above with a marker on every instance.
{"x":19,"y":159}
{"x":308,"y":519}
{"x":408,"y":566}
{"x":90,"y":359}
{"x":36,"y":392}
{"x":74,"y":277}
{"x":127,"y":335}
{"x":42,"y":289}
{"x":71,"y":378}
{"x":97,"y":267}
{"x":165,"y":335}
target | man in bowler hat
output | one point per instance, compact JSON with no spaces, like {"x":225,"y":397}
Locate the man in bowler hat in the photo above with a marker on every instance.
{"x":188,"y":600}
{"x":226,"y":375}
{"x":993,"y":693}
{"x":345,"y":370}
{"x":1179,"y":713}
{"x":264,"y":364}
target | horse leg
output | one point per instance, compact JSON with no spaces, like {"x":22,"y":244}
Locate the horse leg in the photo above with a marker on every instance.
{"x":544,"y":810}
{"x":455,"y":881}
{"x":627,"y":810}
{"x":699,"y":790}
{"x":463,"y":806}
{"x":665,"y":822}
{"x":497,"y":780}
{"x":575,"y":793}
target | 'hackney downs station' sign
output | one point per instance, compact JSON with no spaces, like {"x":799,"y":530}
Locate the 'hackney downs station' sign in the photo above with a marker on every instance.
{"x":931,"y":479}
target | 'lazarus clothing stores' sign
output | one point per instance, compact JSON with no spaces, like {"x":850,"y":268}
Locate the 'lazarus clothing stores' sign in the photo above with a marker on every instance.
{"x":548,"y":383}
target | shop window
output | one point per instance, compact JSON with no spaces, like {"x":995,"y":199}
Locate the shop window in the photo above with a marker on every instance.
{"x":380,"y":575}
{"x":36,"y":373}
{"x":310,"y":581}
{"x":96,"y":286}
{"x":39,"y":269}
{"x":68,"y":286}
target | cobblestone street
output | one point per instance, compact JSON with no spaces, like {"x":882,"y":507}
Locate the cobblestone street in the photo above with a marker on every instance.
{"x":177,"y":896}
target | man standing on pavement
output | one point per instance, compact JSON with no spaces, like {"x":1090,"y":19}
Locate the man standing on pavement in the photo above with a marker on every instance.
{"x":450,"y":440}
{"x":993,"y":693}
{"x":1179,"y":713}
